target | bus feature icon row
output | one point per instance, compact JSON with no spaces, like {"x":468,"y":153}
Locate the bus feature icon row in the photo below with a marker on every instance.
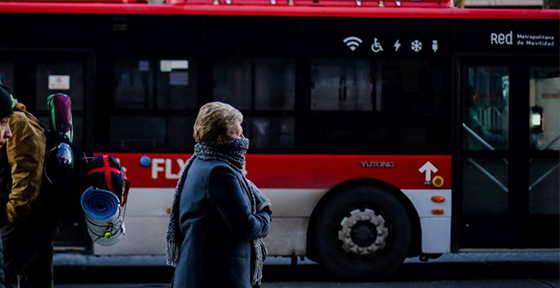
{"x":416,"y":45}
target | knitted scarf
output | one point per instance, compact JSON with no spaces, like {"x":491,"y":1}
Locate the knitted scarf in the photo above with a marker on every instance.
{"x":232,"y":152}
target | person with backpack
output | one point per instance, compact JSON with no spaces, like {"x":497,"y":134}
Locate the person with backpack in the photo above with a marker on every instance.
{"x":6,"y":112}
{"x":27,"y":224}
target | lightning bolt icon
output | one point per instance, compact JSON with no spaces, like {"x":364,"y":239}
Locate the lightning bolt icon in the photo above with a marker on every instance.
{"x":397,"y":46}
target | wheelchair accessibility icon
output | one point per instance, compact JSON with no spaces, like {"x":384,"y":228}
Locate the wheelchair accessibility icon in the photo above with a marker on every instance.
{"x":376,"y":46}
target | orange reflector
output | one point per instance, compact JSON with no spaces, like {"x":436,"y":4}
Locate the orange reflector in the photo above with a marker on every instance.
{"x":437,"y":211}
{"x":168,"y":210}
{"x":438,"y":199}
{"x":438,"y":181}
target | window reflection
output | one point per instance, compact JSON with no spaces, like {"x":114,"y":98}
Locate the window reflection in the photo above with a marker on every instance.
{"x":544,"y":120}
{"x":176,"y":85}
{"x":270,"y":132}
{"x":134,"y":84}
{"x":260,"y":84}
{"x":7,"y":75}
{"x":544,"y":186}
{"x":256,"y":83}
{"x":76,"y":78}
{"x":409,"y":85}
{"x":545,"y":104}
{"x":152,"y":132}
{"x":341,"y":85}
{"x":485,"y":117}
{"x":233,"y":81}
{"x":275,"y":87}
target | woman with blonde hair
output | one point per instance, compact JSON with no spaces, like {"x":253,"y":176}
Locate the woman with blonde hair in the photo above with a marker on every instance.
{"x":217,"y":221}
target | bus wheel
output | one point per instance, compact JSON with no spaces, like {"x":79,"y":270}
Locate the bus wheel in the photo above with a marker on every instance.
{"x":362,"y":231}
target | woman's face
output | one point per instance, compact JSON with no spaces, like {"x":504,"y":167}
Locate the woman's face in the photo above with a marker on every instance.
{"x":235,"y":133}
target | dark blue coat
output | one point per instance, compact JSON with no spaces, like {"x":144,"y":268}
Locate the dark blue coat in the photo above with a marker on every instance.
{"x":216,"y":221}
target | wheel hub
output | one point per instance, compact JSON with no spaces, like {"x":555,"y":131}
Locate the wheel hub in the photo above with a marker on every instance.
{"x":363,"y":232}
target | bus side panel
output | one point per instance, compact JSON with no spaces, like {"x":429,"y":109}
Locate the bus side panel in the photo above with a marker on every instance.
{"x":145,"y":221}
{"x":147,"y":217}
{"x":436,"y":228}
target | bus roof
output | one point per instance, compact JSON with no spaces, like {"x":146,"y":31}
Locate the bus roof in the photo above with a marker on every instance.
{"x":430,"y":9}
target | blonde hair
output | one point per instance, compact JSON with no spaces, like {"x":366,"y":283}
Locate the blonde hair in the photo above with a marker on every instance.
{"x":215,"y":119}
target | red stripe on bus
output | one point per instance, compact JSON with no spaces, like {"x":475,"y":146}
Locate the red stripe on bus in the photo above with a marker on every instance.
{"x":301,"y":171}
{"x":283,"y":11}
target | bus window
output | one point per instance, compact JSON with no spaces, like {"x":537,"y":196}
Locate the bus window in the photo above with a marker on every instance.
{"x":545,"y":102}
{"x":485,"y":117}
{"x":7,"y":75}
{"x":47,"y":73}
{"x":544,"y":95}
{"x":275,"y":86}
{"x":358,"y":85}
{"x":175,"y":88}
{"x":176,"y":84}
{"x":233,"y":82}
{"x":260,"y":84}
{"x":410,"y":85}
{"x":485,"y":128}
{"x":134,"y":84}
{"x":62,"y":77}
{"x":341,"y":85}
{"x":270,"y":132}
{"x":274,"y":83}
{"x":171,"y":132}
{"x":385,"y":106}
{"x":146,"y":89}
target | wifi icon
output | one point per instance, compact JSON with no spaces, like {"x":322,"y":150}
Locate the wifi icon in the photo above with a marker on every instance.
{"x":352,"y":42}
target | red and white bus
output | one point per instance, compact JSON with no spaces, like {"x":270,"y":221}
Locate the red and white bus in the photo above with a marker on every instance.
{"x":380,"y":130}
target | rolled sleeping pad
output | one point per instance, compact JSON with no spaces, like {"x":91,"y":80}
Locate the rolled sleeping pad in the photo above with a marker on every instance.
{"x":102,"y":211}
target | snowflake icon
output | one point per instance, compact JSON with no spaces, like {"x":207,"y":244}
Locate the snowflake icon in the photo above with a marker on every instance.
{"x":416,"y":46}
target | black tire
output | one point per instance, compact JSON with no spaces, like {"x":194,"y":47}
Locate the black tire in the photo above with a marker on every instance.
{"x":380,"y":262}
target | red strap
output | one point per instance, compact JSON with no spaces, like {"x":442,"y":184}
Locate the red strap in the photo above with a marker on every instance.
{"x":102,"y":169}
{"x":107,"y":172}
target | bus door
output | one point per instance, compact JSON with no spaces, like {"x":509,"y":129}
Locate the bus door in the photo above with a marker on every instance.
{"x":32,"y":77}
{"x":508,"y":160}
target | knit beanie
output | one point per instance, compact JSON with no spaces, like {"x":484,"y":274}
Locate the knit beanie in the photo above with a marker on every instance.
{"x":6,"y":107}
